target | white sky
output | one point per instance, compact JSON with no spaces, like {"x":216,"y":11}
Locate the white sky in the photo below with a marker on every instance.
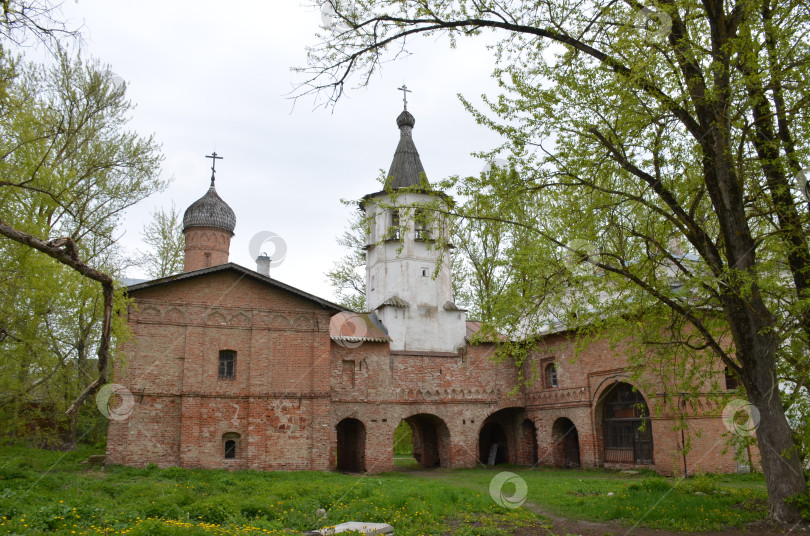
{"x":208,"y":76}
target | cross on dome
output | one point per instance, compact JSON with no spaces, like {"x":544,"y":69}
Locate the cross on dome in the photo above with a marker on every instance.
{"x":213,"y":156}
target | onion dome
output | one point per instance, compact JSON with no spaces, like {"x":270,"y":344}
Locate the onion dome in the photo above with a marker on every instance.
{"x":210,"y":211}
{"x":406,"y":168}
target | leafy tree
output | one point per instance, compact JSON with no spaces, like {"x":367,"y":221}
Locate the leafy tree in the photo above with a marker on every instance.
{"x":667,"y":141}
{"x":164,"y":235}
{"x":69,"y":169}
{"x":347,"y":275}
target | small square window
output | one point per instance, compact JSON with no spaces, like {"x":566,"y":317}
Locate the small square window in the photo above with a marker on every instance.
{"x":227,"y":365}
{"x":731,"y":380}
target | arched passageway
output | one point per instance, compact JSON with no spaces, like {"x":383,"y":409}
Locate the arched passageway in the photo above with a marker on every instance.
{"x":626,"y":427}
{"x":527,"y":446}
{"x":493,"y":447}
{"x":431,"y":440}
{"x":565,"y":440}
{"x":351,"y":446}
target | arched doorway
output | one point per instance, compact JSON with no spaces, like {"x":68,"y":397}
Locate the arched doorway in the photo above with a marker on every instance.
{"x":565,"y":439}
{"x":351,"y":446}
{"x":493,"y":448}
{"x":627,"y":430}
{"x":431,"y":440}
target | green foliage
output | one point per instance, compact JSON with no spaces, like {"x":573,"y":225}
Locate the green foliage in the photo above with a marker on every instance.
{"x":347,"y":275}
{"x":403,"y":439}
{"x":164,"y":236}
{"x":656,"y":187}
{"x":70,"y":169}
{"x":802,"y":502}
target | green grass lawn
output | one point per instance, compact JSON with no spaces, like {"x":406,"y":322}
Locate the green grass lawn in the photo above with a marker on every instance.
{"x":704,"y":502}
{"x":43,"y":492}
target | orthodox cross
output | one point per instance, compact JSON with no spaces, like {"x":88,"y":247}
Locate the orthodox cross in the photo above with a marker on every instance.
{"x":213,"y":156}
{"x":404,"y":89}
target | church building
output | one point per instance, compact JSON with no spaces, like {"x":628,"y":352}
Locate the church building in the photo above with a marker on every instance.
{"x":230,"y":368}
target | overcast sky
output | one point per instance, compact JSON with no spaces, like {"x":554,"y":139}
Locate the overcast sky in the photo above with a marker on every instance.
{"x":213,"y":76}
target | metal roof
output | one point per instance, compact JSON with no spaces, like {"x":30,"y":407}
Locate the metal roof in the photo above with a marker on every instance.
{"x":395,"y":301}
{"x":241,"y":270}
{"x":357,"y":327}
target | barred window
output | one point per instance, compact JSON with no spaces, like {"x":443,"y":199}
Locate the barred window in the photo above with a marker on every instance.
{"x":227,"y":365}
{"x":230,"y":443}
{"x":551,"y":376}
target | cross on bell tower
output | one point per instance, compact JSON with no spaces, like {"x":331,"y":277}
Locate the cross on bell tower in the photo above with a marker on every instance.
{"x":404,"y":89}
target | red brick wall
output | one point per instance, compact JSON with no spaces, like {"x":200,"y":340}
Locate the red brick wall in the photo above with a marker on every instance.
{"x":277,"y":402}
{"x":293,"y":386}
{"x":206,"y":246}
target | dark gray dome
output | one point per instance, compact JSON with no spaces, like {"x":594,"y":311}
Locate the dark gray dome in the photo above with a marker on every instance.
{"x":210,"y":211}
{"x":406,"y":119}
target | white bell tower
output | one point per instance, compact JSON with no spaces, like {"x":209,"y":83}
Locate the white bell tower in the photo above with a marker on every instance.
{"x":402,"y":287}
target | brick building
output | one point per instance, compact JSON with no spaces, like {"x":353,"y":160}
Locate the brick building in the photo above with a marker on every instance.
{"x":230,"y":368}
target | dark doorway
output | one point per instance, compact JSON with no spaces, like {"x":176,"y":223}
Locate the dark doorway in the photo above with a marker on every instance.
{"x":492,"y":445}
{"x":565,"y":443}
{"x":431,"y":440}
{"x":627,"y":427}
{"x":351,"y":446}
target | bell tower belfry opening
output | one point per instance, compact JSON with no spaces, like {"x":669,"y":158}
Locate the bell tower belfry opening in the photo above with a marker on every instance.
{"x":408,"y":275}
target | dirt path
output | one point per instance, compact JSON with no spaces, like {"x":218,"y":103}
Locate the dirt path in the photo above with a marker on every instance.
{"x":563,"y":526}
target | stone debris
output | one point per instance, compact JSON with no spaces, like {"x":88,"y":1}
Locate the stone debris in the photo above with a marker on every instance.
{"x":368,"y":529}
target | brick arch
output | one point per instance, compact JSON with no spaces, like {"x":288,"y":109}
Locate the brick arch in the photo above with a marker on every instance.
{"x":431,"y":439}
{"x":149,"y":313}
{"x":351,"y":445}
{"x":500,"y":427}
{"x":280,"y":321}
{"x":303,"y":323}
{"x":601,"y":395}
{"x":565,"y":443}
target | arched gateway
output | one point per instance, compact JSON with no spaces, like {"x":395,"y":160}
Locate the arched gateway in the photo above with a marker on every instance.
{"x":626,"y":427}
{"x":431,"y":440}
